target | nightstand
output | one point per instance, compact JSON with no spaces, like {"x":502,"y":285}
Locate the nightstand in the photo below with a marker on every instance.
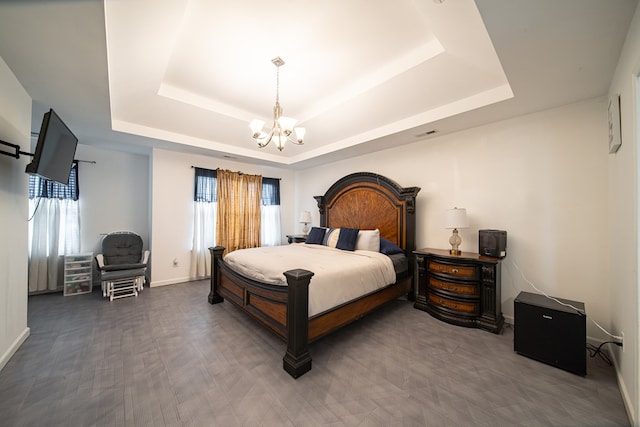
{"x":296,"y":238}
{"x":460,"y":289}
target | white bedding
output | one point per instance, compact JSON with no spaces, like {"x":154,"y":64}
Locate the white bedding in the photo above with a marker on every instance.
{"x":339,"y":276}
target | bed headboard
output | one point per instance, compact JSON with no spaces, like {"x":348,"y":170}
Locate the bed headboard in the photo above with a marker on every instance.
{"x":366,"y":200}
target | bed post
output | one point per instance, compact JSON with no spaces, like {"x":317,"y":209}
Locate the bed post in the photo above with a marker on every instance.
{"x":297,"y":359}
{"x":216,"y":256}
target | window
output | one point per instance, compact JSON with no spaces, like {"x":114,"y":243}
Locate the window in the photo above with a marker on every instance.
{"x":54,"y":228}
{"x":270,"y":212}
{"x":205,"y":214}
{"x":204,"y":221}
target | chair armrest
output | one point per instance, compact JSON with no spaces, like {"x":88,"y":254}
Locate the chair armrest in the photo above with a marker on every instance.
{"x":115,"y":267}
{"x":100,"y":261}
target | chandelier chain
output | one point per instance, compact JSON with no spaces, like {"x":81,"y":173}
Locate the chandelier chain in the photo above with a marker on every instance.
{"x":277,"y":84}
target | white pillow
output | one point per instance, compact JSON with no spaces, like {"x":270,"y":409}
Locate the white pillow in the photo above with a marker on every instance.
{"x":368,"y":240}
{"x":331,"y":237}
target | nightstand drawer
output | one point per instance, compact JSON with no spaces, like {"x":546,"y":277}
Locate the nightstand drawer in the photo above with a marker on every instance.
{"x":462,"y":289}
{"x":470,"y":308}
{"x":462,"y":271}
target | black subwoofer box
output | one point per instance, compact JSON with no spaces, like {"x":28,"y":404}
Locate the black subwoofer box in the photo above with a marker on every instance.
{"x":550,"y":332}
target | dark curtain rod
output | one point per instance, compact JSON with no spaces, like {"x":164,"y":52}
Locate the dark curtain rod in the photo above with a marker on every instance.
{"x":240,"y":172}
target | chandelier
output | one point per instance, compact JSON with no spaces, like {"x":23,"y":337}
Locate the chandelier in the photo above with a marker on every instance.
{"x":282,"y":129}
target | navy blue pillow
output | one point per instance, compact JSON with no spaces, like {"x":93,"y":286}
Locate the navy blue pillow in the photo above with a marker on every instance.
{"x":315,"y":236}
{"x":347,"y":239}
{"x":387,"y":247}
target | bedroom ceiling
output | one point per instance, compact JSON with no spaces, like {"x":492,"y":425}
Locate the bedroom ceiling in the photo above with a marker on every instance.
{"x":190,"y":75}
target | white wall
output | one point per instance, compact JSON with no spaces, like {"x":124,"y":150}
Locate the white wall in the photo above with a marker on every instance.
{"x":114,"y":195}
{"x":541,"y":177}
{"x":623,"y":223}
{"x":172,"y":180}
{"x":15,"y":128}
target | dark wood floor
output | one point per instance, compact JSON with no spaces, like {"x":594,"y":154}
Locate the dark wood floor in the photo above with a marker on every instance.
{"x":168,"y":358}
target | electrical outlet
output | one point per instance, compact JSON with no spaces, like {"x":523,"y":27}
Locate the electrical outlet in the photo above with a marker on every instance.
{"x":175,"y":262}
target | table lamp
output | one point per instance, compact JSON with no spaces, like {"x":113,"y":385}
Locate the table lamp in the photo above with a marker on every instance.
{"x":456,"y":218}
{"x":305,"y":218}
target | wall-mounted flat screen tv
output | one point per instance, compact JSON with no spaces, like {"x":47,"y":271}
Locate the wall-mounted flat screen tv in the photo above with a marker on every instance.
{"x":55,"y":150}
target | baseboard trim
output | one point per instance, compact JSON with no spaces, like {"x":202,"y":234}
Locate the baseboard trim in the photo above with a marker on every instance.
{"x":14,"y":347}
{"x":175,"y":281}
{"x":625,"y":394}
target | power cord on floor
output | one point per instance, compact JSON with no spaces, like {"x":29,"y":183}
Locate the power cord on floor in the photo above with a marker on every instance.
{"x":597,"y":351}
{"x":582,"y":313}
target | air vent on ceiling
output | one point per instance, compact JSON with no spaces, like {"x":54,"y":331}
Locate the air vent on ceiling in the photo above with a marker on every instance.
{"x":427,"y":133}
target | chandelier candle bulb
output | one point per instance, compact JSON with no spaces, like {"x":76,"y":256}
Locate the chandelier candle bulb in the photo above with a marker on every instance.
{"x":256,"y":127}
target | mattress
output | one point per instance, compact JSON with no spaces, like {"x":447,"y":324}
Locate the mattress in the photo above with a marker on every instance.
{"x":339,"y":276}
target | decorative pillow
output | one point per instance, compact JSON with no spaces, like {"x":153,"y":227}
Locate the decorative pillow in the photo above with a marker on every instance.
{"x":368,"y":240}
{"x":387,"y":247}
{"x":316,"y":235}
{"x":347,"y":239}
{"x":331,"y":237}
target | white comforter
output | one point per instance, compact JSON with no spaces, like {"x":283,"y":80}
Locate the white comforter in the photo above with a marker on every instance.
{"x":339,"y":276}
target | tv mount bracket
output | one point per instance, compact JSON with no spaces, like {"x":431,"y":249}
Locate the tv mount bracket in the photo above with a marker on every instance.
{"x":17,"y":151}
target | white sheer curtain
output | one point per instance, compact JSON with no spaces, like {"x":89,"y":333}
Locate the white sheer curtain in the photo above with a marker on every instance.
{"x":54,"y":231}
{"x":204,"y":236}
{"x":270,"y":229}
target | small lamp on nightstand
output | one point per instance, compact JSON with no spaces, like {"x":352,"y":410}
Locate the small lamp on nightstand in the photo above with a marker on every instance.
{"x":456,"y":218}
{"x":305,"y":218}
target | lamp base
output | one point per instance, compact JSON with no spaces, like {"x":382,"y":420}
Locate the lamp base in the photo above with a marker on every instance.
{"x":455,"y":241}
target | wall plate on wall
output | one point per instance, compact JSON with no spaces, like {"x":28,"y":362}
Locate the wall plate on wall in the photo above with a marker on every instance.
{"x":615,"y":140}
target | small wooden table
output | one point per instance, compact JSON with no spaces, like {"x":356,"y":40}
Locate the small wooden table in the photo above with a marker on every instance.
{"x":296,"y":238}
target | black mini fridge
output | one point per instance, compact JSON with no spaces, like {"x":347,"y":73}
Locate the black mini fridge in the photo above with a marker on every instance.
{"x":550,"y":332}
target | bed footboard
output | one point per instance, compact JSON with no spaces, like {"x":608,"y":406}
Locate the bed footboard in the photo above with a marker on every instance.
{"x":283,"y":309}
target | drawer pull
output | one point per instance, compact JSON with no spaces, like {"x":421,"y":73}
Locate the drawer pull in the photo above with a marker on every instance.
{"x":454,"y":271}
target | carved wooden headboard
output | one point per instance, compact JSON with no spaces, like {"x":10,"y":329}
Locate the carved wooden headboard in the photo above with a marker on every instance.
{"x":366,"y":201}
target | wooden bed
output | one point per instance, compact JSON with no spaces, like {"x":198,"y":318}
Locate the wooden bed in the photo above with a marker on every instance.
{"x":361,"y":200}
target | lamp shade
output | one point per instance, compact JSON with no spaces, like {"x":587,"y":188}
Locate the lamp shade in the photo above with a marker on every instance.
{"x":305,"y":217}
{"x":300,"y":132}
{"x":256,"y":127}
{"x":456,"y":218}
{"x":287,"y":124}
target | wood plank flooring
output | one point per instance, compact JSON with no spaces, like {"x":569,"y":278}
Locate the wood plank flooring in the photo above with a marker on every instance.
{"x":169,"y":358}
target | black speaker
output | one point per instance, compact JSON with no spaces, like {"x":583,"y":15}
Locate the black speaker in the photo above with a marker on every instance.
{"x":550,"y":332}
{"x":492,"y":243}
